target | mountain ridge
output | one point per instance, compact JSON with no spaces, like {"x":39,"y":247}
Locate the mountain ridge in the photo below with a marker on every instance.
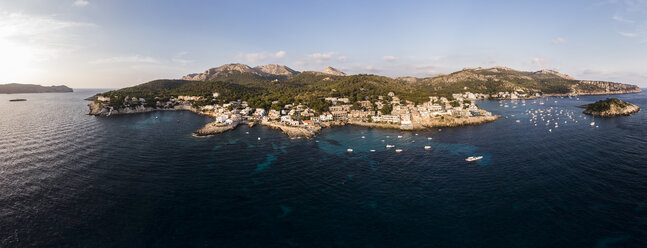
{"x":15,"y":88}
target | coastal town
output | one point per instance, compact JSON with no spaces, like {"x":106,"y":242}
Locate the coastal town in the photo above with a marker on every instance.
{"x":299,"y":120}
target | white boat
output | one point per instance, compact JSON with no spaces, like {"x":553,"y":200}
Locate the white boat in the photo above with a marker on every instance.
{"x":398,"y":150}
{"x":363,"y":137}
{"x":429,"y":138}
{"x":592,"y":123}
{"x":372,"y":150}
{"x":427,"y":147}
{"x":473,"y":158}
{"x":349,"y":150}
{"x":259,"y":138}
{"x":399,"y":136}
{"x":390,"y":146}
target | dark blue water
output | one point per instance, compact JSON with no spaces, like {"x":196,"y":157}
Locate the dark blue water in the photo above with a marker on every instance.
{"x":69,"y":179}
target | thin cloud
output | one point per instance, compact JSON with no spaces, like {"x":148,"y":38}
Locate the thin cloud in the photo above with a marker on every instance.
{"x":558,"y":41}
{"x":127,"y":59}
{"x":81,"y":3}
{"x":539,"y":62}
{"x":628,"y":34}
{"x":371,"y":69}
{"x":342,"y":58}
{"x":182,"y":61}
{"x":389,"y":58}
{"x":260,"y":57}
{"x":321,"y":56}
{"x":619,"y":18}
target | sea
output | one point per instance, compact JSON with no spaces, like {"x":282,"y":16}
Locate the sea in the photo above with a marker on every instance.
{"x":68,"y":179}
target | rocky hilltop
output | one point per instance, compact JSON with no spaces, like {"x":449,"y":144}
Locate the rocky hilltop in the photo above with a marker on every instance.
{"x":275,"y":70}
{"x":272,"y":71}
{"x":269,"y":70}
{"x":32,"y":88}
{"x":610,"y":107}
{"x":332,"y":71}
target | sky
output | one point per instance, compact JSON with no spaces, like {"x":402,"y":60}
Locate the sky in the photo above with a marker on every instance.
{"x":119,"y":43}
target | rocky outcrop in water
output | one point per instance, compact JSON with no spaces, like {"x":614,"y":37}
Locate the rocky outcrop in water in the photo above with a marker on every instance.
{"x":214,"y":128}
{"x":610,"y":107}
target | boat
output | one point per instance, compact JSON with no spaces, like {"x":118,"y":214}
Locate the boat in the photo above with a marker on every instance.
{"x":398,"y":150}
{"x":363,"y":137}
{"x":259,"y":138}
{"x":399,"y":136}
{"x":372,"y":150}
{"x":349,"y":150}
{"x":427,"y":147}
{"x":429,"y":138}
{"x":390,"y":146}
{"x":592,"y":123}
{"x":18,"y":100}
{"x":473,"y":158}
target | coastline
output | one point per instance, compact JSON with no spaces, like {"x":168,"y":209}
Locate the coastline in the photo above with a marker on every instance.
{"x":213,"y":128}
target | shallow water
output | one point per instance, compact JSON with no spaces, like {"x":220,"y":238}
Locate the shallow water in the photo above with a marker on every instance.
{"x":69,"y":179}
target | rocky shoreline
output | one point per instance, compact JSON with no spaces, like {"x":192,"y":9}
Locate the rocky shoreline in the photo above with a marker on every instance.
{"x":214,"y":128}
{"x":294,"y":132}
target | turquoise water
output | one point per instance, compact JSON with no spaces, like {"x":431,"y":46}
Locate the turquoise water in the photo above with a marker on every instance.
{"x":69,"y":179}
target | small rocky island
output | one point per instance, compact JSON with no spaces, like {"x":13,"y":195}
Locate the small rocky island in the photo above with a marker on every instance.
{"x":610,"y":107}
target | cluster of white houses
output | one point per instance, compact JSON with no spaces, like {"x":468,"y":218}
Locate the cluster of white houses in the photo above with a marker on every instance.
{"x":403,"y":112}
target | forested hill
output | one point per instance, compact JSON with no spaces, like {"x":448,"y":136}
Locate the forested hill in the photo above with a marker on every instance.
{"x":263,"y":84}
{"x":31,"y":88}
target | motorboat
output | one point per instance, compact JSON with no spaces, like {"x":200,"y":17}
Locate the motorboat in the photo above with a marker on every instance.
{"x":473,"y":158}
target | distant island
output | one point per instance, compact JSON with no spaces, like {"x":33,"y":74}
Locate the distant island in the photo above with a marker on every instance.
{"x":301,"y":103}
{"x":32,"y":88}
{"x":610,"y":107}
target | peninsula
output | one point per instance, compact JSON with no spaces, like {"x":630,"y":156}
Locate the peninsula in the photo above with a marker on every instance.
{"x":32,"y":88}
{"x":610,"y":107}
{"x":301,"y":103}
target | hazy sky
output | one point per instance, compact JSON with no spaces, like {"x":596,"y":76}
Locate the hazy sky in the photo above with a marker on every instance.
{"x":114,"y":43}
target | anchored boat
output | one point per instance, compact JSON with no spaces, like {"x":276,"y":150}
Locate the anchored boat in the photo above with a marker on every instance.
{"x":473,"y":158}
